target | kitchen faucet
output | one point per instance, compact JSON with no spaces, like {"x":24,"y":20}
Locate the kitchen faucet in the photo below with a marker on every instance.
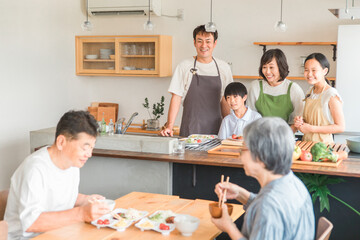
{"x":129,"y":122}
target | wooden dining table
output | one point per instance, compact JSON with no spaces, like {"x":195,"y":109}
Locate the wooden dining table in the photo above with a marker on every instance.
{"x":149,"y":202}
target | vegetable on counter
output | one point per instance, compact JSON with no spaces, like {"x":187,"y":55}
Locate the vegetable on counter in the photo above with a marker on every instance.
{"x":296,"y":153}
{"x":305,"y":156}
{"x":320,"y":153}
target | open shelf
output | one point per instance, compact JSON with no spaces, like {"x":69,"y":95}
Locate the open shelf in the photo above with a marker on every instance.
{"x":290,"y":78}
{"x":333,"y":44}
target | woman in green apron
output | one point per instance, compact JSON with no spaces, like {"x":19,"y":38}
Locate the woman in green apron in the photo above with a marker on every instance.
{"x":323,"y":113}
{"x":275,"y":95}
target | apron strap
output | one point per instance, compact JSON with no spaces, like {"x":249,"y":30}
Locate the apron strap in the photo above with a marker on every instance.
{"x":288,"y":92}
{"x":261,"y":87}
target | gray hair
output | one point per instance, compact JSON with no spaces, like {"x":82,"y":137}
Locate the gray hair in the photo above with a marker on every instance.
{"x":271,"y":141}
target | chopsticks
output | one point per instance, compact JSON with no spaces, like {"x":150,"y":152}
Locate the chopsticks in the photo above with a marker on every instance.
{"x":222,"y":196}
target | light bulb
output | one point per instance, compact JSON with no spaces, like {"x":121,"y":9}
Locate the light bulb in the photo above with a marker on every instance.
{"x":210,"y":27}
{"x":86,"y":26}
{"x":280,"y":26}
{"x":148,"y":25}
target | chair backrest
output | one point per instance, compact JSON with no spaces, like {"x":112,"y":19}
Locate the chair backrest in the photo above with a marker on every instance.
{"x":3,"y":230}
{"x":3,"y":200}
{"x":324,"y":229}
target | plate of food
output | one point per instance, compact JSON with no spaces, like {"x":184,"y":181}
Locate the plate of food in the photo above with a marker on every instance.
{"x":130,"y":214}
{"x":119,"y":218}
{"x":197,"y":139}
{"x":104,"y":221}
{"x":161,"y":221}
{"x":236,"y":140}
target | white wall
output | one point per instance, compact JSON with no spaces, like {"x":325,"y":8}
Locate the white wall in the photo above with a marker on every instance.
{"x":37,"y":66}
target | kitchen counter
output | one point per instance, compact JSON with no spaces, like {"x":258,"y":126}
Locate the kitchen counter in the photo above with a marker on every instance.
{"x":348,"y":168}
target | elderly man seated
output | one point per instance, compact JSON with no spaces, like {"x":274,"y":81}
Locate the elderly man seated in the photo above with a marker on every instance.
{"x":44,"y":189}
{"x":283,"y":208}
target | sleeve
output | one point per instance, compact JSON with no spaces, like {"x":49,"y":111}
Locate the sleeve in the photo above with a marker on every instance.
{"x":31,"y":200}
{"x":267,"y":223}
{"x":250,"y":200}
{"x":253,"y":94}
{"x":223,"y":130}
{"x":177,"y":84}
{"x":297,"y":97}
{"x":226,"y":76}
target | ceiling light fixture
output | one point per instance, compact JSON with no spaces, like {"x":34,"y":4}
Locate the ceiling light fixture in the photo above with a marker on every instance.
{"x":148,"y":25}
{"x":210,"y":26}
{"x":280,"y":26}
{"x":347,"y":13}
{"x":86,"y":25}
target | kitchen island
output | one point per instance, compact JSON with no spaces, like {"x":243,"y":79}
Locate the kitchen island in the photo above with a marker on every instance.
{"x":115,"y":172}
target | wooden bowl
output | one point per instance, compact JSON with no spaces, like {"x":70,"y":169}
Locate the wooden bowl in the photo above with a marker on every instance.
{"x":216,"y":211}
{"x":112,"y":57}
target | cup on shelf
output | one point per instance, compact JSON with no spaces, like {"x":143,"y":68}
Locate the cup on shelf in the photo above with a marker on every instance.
{"x":132,"y":49}
{"x":143,"y":49}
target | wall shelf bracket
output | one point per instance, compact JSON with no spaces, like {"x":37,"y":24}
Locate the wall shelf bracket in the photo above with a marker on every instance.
{"x":334,"y":51}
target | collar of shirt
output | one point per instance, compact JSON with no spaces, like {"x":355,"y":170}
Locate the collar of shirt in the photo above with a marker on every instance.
{"x":245,"y":118}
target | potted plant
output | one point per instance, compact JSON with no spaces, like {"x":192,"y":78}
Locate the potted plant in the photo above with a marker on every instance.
{"x":158,"y":110}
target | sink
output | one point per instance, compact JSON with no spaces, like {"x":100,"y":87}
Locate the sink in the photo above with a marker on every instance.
{"x":150,"y":143}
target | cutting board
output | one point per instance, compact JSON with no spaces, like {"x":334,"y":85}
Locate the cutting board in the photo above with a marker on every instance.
{"x":307,"y":145}
{"x":226,"y":150}
{"x":233,"y":142}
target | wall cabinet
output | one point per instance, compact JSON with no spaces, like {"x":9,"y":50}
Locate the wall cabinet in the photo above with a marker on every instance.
{"x":140,"y":55}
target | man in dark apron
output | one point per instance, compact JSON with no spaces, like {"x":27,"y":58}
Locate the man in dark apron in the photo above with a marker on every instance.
{"x":204,"y":105}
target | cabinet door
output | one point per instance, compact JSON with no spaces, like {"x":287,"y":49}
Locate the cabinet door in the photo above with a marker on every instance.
{"x":94,"y":55}
{"x":137,"y":56}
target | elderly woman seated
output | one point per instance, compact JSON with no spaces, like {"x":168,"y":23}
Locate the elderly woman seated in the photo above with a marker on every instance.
{"x":283,"y":208}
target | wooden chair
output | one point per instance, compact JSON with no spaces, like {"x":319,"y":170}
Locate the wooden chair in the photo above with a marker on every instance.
{"x":3,"y":230}
{"x":324,"y":229}
{"x":3,"y":200}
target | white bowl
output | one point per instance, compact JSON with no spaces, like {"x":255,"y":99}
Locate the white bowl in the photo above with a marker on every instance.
{"x":109,"y":202}
{"x":353,"y":144}
{"x":91,"y":56}
{"x":186,"y":224}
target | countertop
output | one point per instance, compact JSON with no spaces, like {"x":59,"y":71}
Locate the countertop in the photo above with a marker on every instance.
{"x":348,"y":168}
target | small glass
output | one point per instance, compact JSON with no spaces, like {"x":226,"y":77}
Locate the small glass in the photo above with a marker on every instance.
{"x":179,"y":147}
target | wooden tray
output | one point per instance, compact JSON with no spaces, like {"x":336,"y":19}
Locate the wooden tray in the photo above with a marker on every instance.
{"x":305,"y":145}
{"x":226,"y":150}
{"x":233,"y":142}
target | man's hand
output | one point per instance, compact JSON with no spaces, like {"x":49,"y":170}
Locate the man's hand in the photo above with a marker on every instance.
{"x":92,"y":211}
{"x":167,"y":132}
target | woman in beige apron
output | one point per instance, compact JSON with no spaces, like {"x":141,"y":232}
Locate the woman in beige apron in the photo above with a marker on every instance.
{"x":323,"y":114}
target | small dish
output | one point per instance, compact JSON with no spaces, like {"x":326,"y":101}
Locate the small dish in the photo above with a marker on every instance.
{"x":216,"y":211}
{"x":186,"y":224}
{"x":91,"y":56}
{"x":121,"y":225}
{"x":145,"y":224}
{"x":109,"y":202}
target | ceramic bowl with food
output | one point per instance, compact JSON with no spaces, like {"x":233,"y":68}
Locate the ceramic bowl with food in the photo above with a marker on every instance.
{"x":216,"y":211}
{"x":353,"y":144}
{"x":186,"y":224}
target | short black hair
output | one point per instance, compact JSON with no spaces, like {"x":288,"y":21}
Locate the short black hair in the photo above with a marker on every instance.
{"x":201,"y":30}
{"x":235,"y":88}
{"x":280,"y":60}
{"x":74,"y":122}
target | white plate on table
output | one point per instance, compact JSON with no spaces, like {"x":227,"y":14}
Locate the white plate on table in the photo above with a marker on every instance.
{"x":106,"y":216}
{"x":197,"y":139}
{"x":130,"y":214}
{"x":147,"y":224}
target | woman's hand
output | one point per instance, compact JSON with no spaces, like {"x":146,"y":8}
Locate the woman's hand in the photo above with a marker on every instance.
{"x":306,"y":128}
{"x":226,"y":224}
{"x":298,"y":121}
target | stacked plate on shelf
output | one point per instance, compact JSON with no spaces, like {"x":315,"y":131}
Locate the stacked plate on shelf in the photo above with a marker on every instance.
{"x":105,"y":53}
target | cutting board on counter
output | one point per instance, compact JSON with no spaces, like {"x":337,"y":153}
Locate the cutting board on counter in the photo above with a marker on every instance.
{"x":307,"y":145}
{"x":226,"y":150}
{"x":233,"y":142}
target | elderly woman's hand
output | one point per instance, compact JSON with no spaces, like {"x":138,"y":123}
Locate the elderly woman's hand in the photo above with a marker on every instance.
{"x":226,"y":224}
{"x":232,"y":190}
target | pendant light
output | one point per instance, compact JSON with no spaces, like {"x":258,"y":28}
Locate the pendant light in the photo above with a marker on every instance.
{"x":280,"y":26}
{"x":210,"y":26}
{"x":148,"y":25}
{"x":86,"y":25}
